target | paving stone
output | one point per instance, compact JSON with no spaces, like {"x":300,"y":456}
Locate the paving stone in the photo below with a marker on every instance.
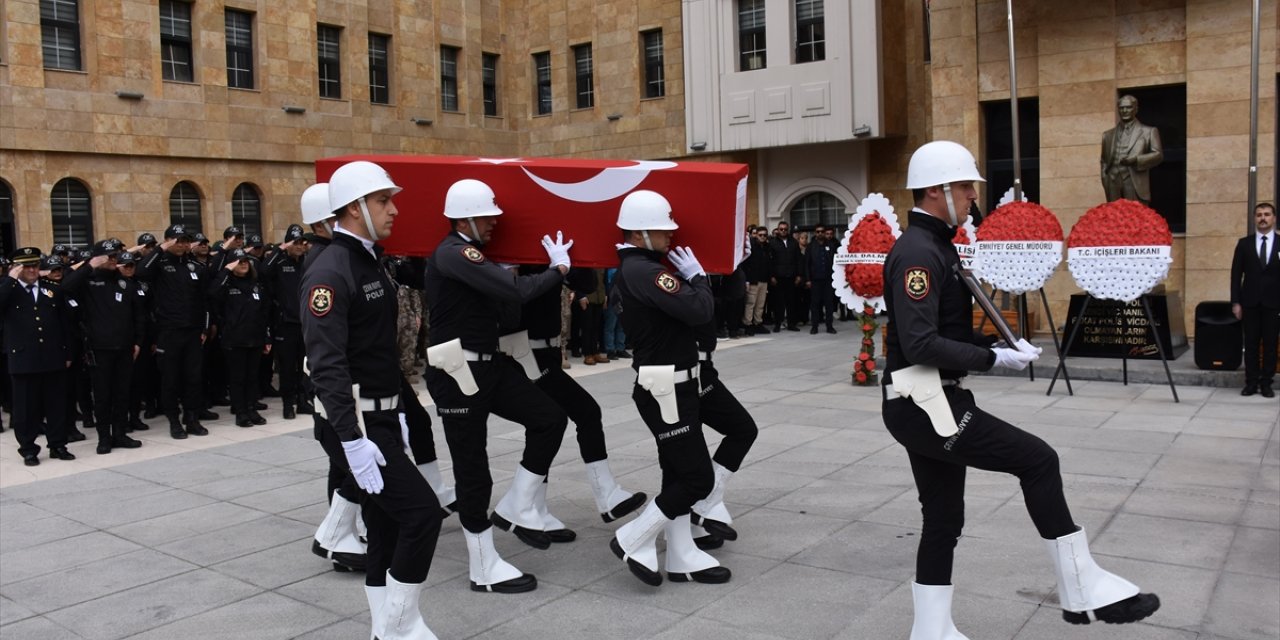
{"x":695,"y":627}
{"x":1245,"y":451}
{"x":339,"y":593}
{"x":1243,"y":607}
{"x":19,"y":533}
{"x":275,"y":566}
{"x":342,"y":630}
{"x":266,"y":616}
{"x":286,"y":498}
{"x":1262,"y":510}
{"x":1255,"y":552}
{"x":96,"y":579}
{"x":835,"y":499}
{"x":60,"y":555}
{"x":1188,"y":502}
{"x":183,"y":524}
{"x":108,"y":514}
{"x":39,"y":629}
{"x":1195,"y":544}
{"x":11,"y":612}
{"x":238,"y":540}
{"x":573,"y":615}
{"x":1047,"y":624}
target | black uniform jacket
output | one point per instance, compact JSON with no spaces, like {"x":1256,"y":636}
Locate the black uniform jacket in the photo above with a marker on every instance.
{"x":541,"y":315}
{"x":241,"y":306}
{"x":758,"y":267}
{"x":178,"y":290}
{"x":930,"y":308}
{"x":785,"y":253}
{"x":348,"y":316}
{"x":283,"y":276}
{"x":818,"y":262}
{"x":469,"y":294}
{"x":660,"y":310}
{"x":35,"y":331}
{"x":1252,"y":285}
{"x":114,"y":307}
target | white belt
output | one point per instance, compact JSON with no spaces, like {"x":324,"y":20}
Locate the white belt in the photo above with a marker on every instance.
{"x":475,"y":356}
{"x":704,"y":356}
{"x":378,"y":404}
{"x":682,"y":375}
{"x":545,"y":343}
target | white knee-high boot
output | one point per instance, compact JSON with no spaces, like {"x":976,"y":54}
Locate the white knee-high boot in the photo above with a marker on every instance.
{"x":1087,"y":591}
{"x":336,"y":537}
{"x":612,"y":501}
{"x":933,"y":613}
{"x":555,"y":529}
{"x":399,"y":617}
{"x":636,"y":543}
{"x":376,"y":596}
{"x":489,"y":572}
{"x":444,"y":491}
{"x":685,"y":562}
{"x":517,"y":513}
{"x":710,"y":512}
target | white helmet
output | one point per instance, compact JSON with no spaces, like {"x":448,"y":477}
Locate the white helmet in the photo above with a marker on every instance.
{"x":941,"y":162}
{"x":470,"y":199}
{"x":315,"y":204}
{"x":355,"y":180}
{"x":646,"y":211}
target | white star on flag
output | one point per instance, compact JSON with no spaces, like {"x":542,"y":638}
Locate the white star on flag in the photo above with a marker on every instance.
{"x":497,"y":160}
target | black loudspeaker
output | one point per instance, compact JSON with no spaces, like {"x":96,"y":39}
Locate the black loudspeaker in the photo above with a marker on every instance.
{"x":1219,"y":340}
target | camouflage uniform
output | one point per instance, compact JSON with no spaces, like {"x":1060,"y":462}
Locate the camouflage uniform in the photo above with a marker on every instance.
{"x":408,"y":321}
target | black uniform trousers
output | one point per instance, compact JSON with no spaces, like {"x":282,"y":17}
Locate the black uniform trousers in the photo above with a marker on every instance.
{"x":289,"y":352}
{"x":112,"y":375}
{"x":340,"y":479}
{"x":242,"y":365}
{"x":506,"y":392}
{"x":37,"y":398}
{"x":180,"y":357}
{"x":682,"y":450}
{"x":822,"y":303}
{"x":782,"y":300}
{"x":79,"y":391}
{"x":720,"y":410}
{"x":577,"y":404}
{"x":403,"y":520}
{"x":1261,"y":326}
{"x":145,"y":387}
{"x":422,"y":443}
{"x":213,"y":373}
{"x":983,"y":442}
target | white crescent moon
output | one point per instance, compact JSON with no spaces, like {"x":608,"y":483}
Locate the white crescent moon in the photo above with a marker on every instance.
{"x":613,"y":182}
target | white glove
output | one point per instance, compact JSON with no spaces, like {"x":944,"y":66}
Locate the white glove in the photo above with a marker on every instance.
{"x":557,"y":250}
{"x":1018,"y":357}
{"x":364,"y":458}
{"x":685,"y":262}
{"x":404,"y":429}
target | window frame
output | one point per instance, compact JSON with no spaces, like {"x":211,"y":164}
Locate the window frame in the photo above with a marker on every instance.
{"x":584,"y":96}
{"x":449,"y":89}
{"x":814,"y":48}
{"x":249,"y":221}
{"x":753,"y":36}
{"x":379,"y":70}
{"x":235,"y":51}
{"x":489,"y":82}
{"x":653,"y":75}
{"x":183,"y":216}
{"x":541,"y":84}
{"x":827,"y":203}
{"x":57,"y":25}
{"x":330,"y":85}
{"x":64,"y":206}
{"x":177,"y":50}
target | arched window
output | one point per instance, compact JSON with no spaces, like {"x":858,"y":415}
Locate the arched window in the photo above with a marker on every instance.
{"x":72,"y":213}
{"x":818,"y":208}
{"x":6,"y":219}
{"x":184,"y":205}
{"x":246,"y":209}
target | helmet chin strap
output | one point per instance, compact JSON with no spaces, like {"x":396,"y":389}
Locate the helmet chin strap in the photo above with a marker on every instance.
{"x":647,"y":244}
{"x":368,"y":221}
{"x":327,"y":227}
{"x":475,"y":233}
{"x":951,"y":207}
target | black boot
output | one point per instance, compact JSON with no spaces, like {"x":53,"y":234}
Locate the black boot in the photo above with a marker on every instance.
{"x":259,"y":406}
{"x":192,"y":422}
{"x":242,"y":420}
{"x":175,"y":428}
{"x":136,"y":423}
{"x":286,"y":411}
{"x":205,"y":414}
{"x":121,"y":439}
{"x":104,"y":440}
{"x":304,"y":405}
{"x":256,"y":417}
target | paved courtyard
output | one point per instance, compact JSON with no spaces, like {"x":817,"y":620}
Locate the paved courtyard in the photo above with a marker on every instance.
{"x":210,"y":537}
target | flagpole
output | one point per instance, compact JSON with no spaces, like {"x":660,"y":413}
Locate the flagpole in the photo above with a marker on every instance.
{"x":1253,"y":123}
{"x":1013,"y":101}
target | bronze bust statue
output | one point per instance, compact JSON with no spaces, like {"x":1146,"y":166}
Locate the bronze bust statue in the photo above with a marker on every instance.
{"x":1129,"y":151}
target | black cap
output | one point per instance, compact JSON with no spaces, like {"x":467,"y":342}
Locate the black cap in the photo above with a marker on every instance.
{"x":294,"y":232}
{"x":126,"y":258}
{"x":178,"y":231}
{"x":49,"y":263}
{"x":148,"y":239}
{"x":240,"y":254}
{"x":231,"y":232}
{"x":26,"y":256}
{"x":200,"y":238}
{"x":107,"y":247}
{"x":83,"y":254}
{"x":253,"y":241}
{"x":60,"y":249}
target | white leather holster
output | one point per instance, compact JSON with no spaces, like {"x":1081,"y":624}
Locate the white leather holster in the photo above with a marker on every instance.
{"x":448,"y":357}
{"x":923,"y":385}
{"x":517,"y":346}
{"x":660,"y":381}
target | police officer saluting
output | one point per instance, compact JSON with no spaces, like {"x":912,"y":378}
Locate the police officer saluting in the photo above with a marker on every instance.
{"x":348,"y":326}
{"x":930,"y":350}
{"x":115,"y":322}
{"x":659,"y":313}
{"x":241,"y":307}
{"x":469,"y":379}
{"x":35,"y":331}
{"x":283,"y":274}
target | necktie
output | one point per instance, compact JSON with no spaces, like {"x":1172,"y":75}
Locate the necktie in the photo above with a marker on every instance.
{"x":1262,"y":253}
{"x":31,"y":291}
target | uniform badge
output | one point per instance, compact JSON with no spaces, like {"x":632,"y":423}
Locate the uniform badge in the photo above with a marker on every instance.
{"x":667,"y":282}
{"x":473,"y":254}
{"x":320,"y":301}
{"x":191,"y":266}
{"x":917,"y":283}
{"x":123,"y":284}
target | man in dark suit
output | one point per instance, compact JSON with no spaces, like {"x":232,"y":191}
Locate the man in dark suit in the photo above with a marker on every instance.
{"x":35,"y":339}
{"x":1255,"y":299}
{"x":1129,"y":152}
{"x":786,"y":277}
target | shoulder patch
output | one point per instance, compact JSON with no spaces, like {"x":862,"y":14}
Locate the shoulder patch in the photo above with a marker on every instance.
{"x":667,"y":282}
{"x":917,"y":283}
{"x":320,"y":301}
{"x":473,"y":254}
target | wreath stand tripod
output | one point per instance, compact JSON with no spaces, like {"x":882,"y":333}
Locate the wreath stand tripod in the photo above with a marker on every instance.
{"x":1022,"y":325}
{"x":1151,"y":329}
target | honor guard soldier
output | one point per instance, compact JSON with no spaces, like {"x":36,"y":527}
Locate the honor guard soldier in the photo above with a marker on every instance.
{"x":241,"y":306}
{"x":931,"y":348}
{"x":348,"y":327}
{"x":536,"y":348}
{"x":34,"y":320}
{"x":115,"y":324}
{"x":660,"y":311}
{"x":469,"y":379}
{"x":283,"y":273}
{"x":178,"y":285}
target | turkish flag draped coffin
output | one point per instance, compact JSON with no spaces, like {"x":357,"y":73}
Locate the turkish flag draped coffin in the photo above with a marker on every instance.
{"x":580,"y":197}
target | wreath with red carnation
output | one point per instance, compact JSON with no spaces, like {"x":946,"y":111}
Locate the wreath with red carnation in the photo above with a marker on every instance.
{"x":1019,"y":247}
{"x":858,"y":269}
{"x":1120,"y":250}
